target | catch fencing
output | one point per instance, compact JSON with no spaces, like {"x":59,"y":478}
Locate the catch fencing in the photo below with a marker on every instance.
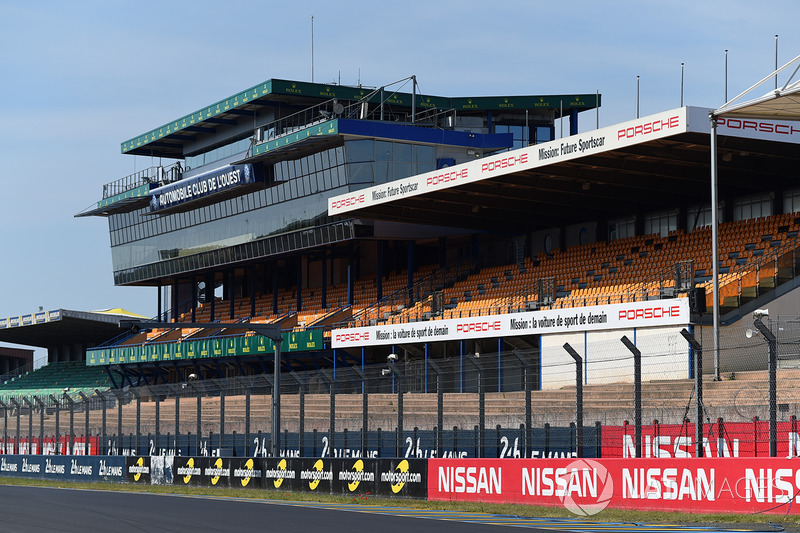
{"x":622,"y":394}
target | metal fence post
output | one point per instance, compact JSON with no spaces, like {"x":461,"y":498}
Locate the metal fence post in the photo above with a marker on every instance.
{"x":698,"y":390}
{"x":30,"y":423}
{"x":637,"y":392}
{"x":475,"y":360}
{"x":58,"y":410}
{"x":578,"y":397}
{"x":5,"y":427}
{"x":86,"y":433}
{"x":528,"y":409}
{"x":439,"y":406}
{"x":773,"y":385}
{"x":17,"y":408}
{"x":41,"y":423}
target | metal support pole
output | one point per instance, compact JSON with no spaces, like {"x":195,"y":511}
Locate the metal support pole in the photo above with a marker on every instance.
{"x":157,"y":422}
{"x":697,"y":349}
{"x":17,"y":408}
{"x":30,"y":424}
{"x":773,"y":386}
{"x":199,"y":419}
{"x":276,"y":401}
{"x":637,"y":393}
{"x":221,"y":416}
{"x":528,"y":409}
{"x":86,"y":429}
{"x":101,"y":449}
{"x":439,"y":407}
{"x":391,"y":368}
{"x":578,"y":397}
{"x":58,"y":411}
{"x":177,"y":419}
{"x":5,"y":427}
{"x":302,"y":398}
{"x":71,"y":424}
{"x":474,"y":359}
{"x":715,"y":243}
{"x":247,"y":422}
{"x":41,"y":423}
{"x":120,"y":396}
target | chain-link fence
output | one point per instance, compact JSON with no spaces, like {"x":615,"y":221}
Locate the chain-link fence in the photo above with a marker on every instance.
{"x":610,"y":394}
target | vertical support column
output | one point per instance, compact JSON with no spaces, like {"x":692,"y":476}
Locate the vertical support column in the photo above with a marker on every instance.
{"x":500,"y":364}
{"x":637,"y":393}
{"x":715,"y":244}
{"x":573,"y":121}
{"x":324,"y":291}
{"x":410,"y":269}
{"x":299,"y":284}
{"x":209,"y":296}
{"x":194,"y":299}
{"x":275,"y":290}
{"x":350,"y":284}
{"x":379,"y":280}
{"x":252,"y":272}
{"x":159,"y":305}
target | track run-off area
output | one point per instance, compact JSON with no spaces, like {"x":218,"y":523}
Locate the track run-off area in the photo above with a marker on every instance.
{"x":44,"y":508}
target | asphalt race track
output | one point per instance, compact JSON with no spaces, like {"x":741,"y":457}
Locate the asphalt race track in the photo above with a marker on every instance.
{"x":45,"y":509}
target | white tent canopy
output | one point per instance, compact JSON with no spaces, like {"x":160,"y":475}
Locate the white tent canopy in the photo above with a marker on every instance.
{"x":783,"y":102}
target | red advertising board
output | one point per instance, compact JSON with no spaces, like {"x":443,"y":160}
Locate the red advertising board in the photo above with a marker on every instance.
{"x":721,"y":439}
{"x":49,"y":446}
{"x":587,"y":486}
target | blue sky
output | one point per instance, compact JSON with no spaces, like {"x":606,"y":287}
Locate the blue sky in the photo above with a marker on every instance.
{"x":80,"y":77}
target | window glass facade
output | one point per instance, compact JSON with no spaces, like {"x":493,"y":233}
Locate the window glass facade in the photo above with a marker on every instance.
{"x":297,"y":199}
{"x":759,"y":205}
{"x":791,"y":201}
{"x":661,"y":222}
{"x":217,"y":154}
{"x":621,"y":228}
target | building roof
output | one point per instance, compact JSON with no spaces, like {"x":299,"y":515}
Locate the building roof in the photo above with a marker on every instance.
{"x":598,"y":175}
{"x":169,"y":139}
{"x":46,"y":329}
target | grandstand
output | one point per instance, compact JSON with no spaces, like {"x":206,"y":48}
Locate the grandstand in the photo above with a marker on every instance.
{"x":360,"y":220}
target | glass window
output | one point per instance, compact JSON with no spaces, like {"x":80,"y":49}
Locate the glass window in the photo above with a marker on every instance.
{"x":360,"y":173}
{"x":383,"y":151}
{"x":759,"y":205}
{"x":791,"y":201}
{"x":359,"y":151}
{"x":661,"y":222}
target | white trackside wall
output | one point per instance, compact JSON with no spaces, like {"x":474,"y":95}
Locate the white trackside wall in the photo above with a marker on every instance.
{"x":665,"y":355}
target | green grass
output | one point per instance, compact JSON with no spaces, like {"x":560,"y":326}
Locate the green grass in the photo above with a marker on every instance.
{"x":608,"y":515}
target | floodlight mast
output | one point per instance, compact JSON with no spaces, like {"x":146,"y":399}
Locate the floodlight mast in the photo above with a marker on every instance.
{"x":271,"y":331}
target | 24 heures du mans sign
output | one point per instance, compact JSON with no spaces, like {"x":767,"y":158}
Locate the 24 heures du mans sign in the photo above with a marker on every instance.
{"x":668,"y":312}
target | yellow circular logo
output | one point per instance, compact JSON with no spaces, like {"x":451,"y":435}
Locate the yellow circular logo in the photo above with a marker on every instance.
{"x":315,"y":483}
{"x":402,"y":467}
{"x":358,"y":466}
{"x":282,"y":467}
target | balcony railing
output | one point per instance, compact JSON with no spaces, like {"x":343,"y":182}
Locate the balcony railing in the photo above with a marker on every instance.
{"x":158,"y":175}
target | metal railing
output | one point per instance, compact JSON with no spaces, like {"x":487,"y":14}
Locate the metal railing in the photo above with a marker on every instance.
{"x":158,"y":175}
